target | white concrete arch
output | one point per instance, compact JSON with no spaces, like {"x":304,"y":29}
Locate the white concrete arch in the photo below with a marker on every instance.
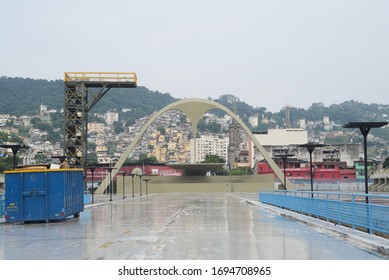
{"x":194,"y":108}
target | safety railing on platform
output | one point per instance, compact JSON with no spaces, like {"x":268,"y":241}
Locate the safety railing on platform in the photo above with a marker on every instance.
{"x":117,"y":77}
{"x":2,"y":206}
{"x":349,"y":209}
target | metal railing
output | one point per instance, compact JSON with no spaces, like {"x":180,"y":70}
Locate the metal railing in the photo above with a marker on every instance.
{"x":349,"y":209}
{"x":117,"y":77}
{"x":2,"y":205}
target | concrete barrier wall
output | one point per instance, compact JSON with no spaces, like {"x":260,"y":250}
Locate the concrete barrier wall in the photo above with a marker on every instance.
{"x":163,"y":184}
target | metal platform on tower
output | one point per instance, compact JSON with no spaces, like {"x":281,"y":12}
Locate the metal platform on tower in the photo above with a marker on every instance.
{"x":82,"y":91}
{"x":102,"y":79}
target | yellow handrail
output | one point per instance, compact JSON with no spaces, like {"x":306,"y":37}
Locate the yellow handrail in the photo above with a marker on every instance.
{"x":117,"y":77}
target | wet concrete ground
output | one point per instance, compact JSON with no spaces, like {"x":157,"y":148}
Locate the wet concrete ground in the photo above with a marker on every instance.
{"x":176,"y":226}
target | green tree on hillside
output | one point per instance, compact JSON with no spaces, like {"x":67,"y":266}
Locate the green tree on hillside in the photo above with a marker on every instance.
{"x":386,"y":163}
{"x":161,"y":130}
{"x":118,"y":127}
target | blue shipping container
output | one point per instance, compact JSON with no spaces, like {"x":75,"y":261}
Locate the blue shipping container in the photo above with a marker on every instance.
{"x":2,"y":204}
{"x":43,"y":195}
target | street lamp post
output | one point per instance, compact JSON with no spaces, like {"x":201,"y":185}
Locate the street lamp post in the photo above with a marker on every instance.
{"x":132,"y":184}
{"x":147,"y":180}
{"x":310,"y":147}
{"x":123,"y":174}
{"x":284,"y":157}
{"x":60,"y":158}
{"x":365,"y":127}
{"x":92,"y":170}
{"x":110,"y":182}
{"x":140,"y":185}
{"x":15,"y":148}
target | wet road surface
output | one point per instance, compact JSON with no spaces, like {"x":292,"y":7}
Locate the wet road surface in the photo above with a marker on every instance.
{"x":174,"y":226}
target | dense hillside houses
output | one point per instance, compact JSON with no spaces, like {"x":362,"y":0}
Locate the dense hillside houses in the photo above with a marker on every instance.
{"x":34,"y":116}
{"x":170,"y":139}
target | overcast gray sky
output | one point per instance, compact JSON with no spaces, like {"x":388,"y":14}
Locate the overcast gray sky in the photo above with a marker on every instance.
{"x":268,"y":53}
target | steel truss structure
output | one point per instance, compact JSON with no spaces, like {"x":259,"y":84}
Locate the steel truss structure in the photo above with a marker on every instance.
{"x":82,"y":91}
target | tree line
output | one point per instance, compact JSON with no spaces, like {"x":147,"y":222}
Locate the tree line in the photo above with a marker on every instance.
{"x":23,"y":96}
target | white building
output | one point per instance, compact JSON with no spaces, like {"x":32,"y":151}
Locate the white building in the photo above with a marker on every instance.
{"x":208,"y":145}
{"x":96,"y":127}
{"x":3,"y":119}
{"x":283,"y":137}
{"x":275,"y":141}
{"x":278,"y":141}
{"x":327,"y":124}
{"x":253,"y":120}
{"x":111,"y":117}
{"x":302,"y":124}
{"x":43,"y":109}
